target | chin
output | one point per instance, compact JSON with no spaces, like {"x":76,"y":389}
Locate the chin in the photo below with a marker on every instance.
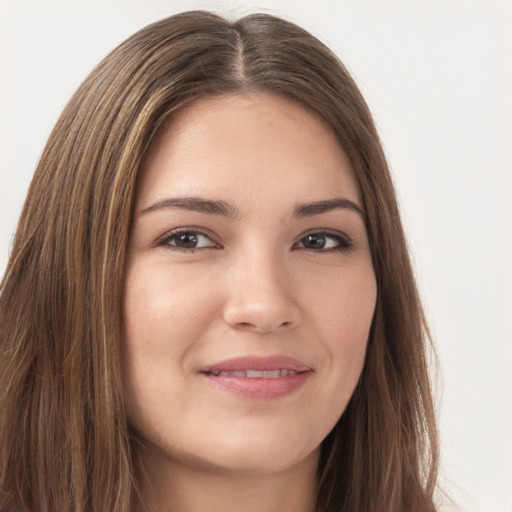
{"x":251,"y":455}
{"x":254,"y":462}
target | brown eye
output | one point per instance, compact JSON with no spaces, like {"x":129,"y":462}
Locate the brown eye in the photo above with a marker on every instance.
{"x":187,"y":240}
{"x":314,"y":241}
{"x":324,"y":242}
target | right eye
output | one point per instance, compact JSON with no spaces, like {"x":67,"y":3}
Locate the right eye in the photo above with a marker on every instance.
{"x":187,"y":241}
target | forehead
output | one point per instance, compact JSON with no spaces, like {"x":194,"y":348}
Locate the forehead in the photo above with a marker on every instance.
{"x":248,"y":144}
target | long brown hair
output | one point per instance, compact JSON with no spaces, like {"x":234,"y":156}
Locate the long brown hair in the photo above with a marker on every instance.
{"x":64,"y":440}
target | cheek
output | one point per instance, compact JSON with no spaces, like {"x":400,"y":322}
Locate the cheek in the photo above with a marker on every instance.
{"x":165,"y":309}
{"x":165,"y":314}
{"x":343,"y":305}
{"x":342,"y":311}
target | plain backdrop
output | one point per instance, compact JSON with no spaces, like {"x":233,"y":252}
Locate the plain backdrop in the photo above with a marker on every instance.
{"x":438,"y":78}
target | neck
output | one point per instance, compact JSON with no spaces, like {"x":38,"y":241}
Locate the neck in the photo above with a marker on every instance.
{"x":170,"y":486}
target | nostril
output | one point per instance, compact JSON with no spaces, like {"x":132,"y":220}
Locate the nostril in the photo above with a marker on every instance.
{"x":260,"y":328}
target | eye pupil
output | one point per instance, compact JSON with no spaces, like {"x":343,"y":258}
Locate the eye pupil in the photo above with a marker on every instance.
{"x":186,"y":240}
{"x":314,"y":241}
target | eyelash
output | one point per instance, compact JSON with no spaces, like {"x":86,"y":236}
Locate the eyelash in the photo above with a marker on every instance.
{"x":165,"y":241}
{"x":342,"y":241}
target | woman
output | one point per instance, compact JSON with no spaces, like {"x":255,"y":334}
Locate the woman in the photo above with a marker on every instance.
{"x":209,"y":303}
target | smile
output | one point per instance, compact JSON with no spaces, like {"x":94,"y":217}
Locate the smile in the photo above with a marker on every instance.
{"x":256,"y":374}
{"x":259,"y":378}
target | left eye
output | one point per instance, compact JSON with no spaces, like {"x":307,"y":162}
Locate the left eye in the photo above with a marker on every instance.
{"x":324,"y":242}
{"x":188,"y":240}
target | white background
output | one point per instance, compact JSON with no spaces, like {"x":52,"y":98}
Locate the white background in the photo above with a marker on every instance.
{"x":438,"y":77}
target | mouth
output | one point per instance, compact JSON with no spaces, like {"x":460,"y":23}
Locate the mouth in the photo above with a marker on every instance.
{"x":259,"y":378}
{"x":256,"y":374}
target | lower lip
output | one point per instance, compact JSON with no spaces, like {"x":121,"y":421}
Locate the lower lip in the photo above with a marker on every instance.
{"x":260,"y":388}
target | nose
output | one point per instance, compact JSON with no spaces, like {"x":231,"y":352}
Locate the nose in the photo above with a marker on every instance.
{"x":261,"y":297}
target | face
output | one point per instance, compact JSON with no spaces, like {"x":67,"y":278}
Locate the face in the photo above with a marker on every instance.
{"x":249,"y":290}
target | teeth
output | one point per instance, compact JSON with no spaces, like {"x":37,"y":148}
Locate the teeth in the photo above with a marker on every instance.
{"x":232,"y":374}
{"x":257,"y":374}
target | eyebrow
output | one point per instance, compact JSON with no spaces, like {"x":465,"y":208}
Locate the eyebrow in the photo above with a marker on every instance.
{"x":318,"y":207}
{"x":195,"y":204}
{"x":224,"y":209}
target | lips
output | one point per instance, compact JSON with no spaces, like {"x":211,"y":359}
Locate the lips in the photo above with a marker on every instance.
{"x":269,"y":363}
{"x":257,"y":374}
{"x":262,"y":378}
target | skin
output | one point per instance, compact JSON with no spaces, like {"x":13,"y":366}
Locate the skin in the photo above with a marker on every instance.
{"x":253,"y":285}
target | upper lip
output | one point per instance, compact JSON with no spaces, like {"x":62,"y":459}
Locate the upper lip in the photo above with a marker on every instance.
{"x":268,"y":363}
